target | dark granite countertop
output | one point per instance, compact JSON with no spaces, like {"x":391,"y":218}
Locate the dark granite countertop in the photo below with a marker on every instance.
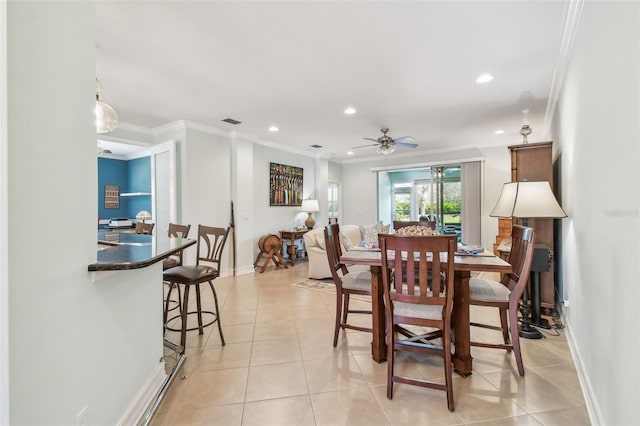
{"x":122,"y":250}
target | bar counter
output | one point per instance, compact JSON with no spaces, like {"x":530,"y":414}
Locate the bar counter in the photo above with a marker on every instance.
{"x":119,"y":251}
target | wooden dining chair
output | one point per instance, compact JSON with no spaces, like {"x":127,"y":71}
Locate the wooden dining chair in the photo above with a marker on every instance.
{"x":144,"y":228}
{"x":354,"y":282}
{"x":505,"y":295}
{"x":211,"y":242}
{"x":418,"y":304}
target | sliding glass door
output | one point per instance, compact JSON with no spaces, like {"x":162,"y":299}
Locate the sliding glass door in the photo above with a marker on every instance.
{"x":429,"y":193}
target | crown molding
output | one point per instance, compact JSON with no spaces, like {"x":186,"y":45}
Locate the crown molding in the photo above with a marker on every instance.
{"x":571,"y":23}
{"x":285,"y":148}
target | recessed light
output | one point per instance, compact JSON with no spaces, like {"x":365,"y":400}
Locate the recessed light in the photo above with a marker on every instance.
{"x":273,"y":129}
{"x":499,"y":132}
{"x":349,"y":152}
{"x":350,"y":110}
{"x":484,"y":78}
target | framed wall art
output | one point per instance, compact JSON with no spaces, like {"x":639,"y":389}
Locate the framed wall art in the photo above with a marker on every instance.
{"x":285,"y":185}
{"x":111,"y":197}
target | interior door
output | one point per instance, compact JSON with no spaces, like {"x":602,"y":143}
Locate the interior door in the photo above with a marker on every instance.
{"x":163,"y":185}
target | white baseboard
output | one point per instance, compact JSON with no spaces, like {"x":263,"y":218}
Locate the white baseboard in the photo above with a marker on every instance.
{"x":146,"y":395}
{"x":595,"y":416}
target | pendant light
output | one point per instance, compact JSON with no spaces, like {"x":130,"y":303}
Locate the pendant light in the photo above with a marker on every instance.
{"x":106,"y":117}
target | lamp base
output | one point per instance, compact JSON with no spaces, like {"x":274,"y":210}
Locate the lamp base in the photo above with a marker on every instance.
{"x":528,"y":332}
{"x":310,"y":222}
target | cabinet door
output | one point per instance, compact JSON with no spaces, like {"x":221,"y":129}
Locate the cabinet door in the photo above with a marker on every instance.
{"x":532,"y":162}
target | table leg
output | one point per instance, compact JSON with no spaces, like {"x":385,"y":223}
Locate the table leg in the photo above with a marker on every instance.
{"x":462,"y":360}
{"x":378,"y":344}
{"x":293,"y":244}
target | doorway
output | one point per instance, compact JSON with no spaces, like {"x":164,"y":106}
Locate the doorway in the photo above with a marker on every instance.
{"x":156,"y":193}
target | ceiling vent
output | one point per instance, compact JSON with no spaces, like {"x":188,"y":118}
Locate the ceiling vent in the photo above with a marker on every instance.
{"x":232,"y":121}
{"x":316,"y":146}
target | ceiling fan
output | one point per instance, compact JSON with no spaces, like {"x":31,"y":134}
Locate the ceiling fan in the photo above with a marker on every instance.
{"x":386,"y":144}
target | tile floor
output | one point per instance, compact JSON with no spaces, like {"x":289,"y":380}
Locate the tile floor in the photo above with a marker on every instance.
{"x":279,"y":368}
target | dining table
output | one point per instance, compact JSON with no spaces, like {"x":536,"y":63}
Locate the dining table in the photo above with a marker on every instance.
{"x":464,"y":265}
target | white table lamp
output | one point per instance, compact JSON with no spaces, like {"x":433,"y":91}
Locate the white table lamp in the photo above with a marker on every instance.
{"x":310,"y":206}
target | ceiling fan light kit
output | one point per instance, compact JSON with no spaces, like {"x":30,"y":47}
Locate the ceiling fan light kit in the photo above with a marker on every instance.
{"x":385,"y":150}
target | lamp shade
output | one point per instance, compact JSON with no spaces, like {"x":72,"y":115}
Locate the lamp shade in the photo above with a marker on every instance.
{"x":527,"y":200}
{"x":143,"y":215}
{"x":310,"y":206}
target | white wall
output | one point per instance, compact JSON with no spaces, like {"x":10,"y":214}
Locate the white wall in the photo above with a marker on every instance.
{"x":270,"y":220}
{"x":73,"y":342}
{"x":4,"y":239}
{"x":596,"y":125}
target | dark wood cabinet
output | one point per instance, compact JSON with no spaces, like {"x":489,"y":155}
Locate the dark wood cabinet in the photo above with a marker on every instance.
{"x":533,"y":162}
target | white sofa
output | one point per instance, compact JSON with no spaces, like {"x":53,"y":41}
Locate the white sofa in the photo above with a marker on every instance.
{"x":316,"y":252}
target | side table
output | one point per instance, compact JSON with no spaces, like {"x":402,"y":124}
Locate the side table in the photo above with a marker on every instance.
{"x":292,"y":236}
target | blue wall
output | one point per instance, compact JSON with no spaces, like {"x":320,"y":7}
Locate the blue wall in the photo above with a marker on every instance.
{"x":130,"y":176}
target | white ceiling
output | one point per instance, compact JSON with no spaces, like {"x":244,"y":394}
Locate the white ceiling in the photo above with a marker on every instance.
{"x":408,"y":66}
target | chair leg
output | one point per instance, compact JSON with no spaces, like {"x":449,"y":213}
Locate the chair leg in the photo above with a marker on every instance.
{"x":199,"y":309}
{"x":345,"y":309}
{"x":215,"y":300}
{"x":183,"y":333}
{"x":504,"y":322}
{"x":390,"y":361}
{"x":336,"y":330}
{"x":515,"y":339}
{"x":446,"y":343}
{"x":165,"y":314}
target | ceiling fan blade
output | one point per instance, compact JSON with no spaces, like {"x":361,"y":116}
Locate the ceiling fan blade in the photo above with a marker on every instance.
{"x":364,"y":146}
{"x":370,"y":139}
{"x":403,"y":139}
{"x":406,"y":145}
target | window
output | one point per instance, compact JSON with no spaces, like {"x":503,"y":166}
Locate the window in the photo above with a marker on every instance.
{"x":334,"y":205}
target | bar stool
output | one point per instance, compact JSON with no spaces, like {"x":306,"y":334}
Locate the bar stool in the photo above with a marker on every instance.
{"x":175,"y":231}
{"x":211,"y":241}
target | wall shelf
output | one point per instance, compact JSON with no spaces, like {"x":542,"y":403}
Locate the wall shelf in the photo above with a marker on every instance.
{"x":135,"y":194}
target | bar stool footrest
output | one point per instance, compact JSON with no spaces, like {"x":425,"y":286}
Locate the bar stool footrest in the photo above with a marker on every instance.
{"x":215,"y":318}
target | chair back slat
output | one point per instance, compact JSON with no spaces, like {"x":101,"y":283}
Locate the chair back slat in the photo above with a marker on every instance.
{"x":211,"y":241}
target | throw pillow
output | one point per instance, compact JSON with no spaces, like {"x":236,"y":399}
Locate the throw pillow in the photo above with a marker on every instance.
{"x":347,"y":244}
{"x":383,"y":229}
{"x":369,"y":233}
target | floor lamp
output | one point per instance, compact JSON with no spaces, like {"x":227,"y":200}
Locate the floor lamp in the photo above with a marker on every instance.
{"x":528,"y":200}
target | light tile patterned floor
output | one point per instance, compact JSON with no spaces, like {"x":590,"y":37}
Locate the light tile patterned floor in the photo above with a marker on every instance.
{"x":279,"y":368}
